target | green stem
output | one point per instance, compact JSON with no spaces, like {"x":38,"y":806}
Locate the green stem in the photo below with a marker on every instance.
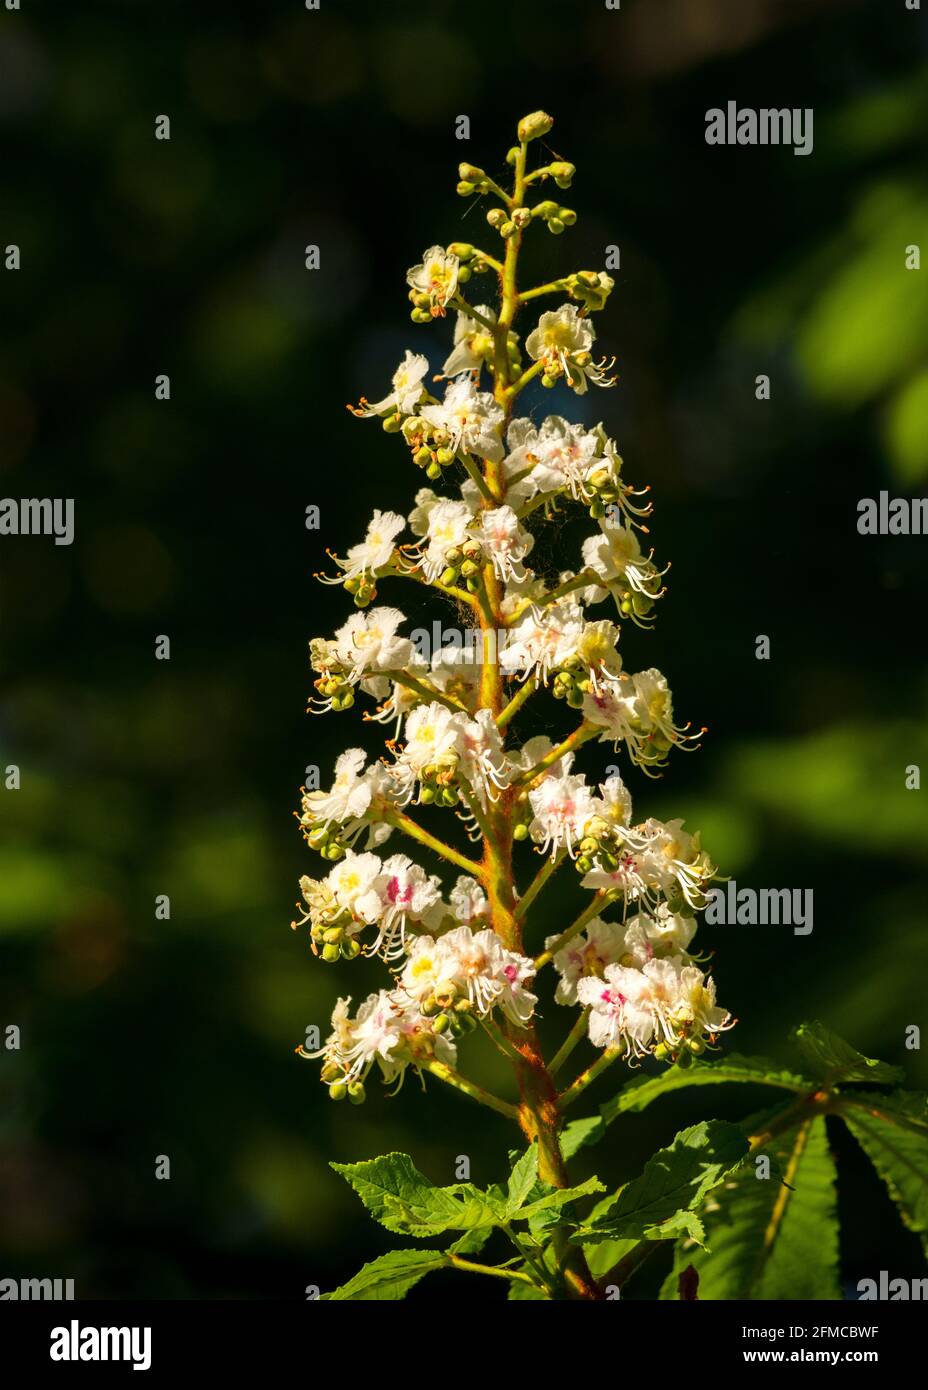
{"x":458,"y":302}
{"x":537,"y":883}
{"x":513,"y":1275}
{"x":577,"y":1032}
{"x":409,"y":827}
{"x":552,"y":287}
{"x":473,"y":472}
{"x":470,"y":1088}
{"x":426,"y":689}
{"x":580,"y":735}
{"x":525,"y":692}
{"x":576,"y":927}
{"x":586,"y":1078}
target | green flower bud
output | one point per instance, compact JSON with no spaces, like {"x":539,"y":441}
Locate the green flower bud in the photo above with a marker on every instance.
{"x":545,"y":209}
{"x":597,"y":509}
{"x":426,"y":796}
{"x":392,"y":423}
{"x":441,"y":1023}
{"x":338,"y":1091}
{"x":448,"y":576}
{"x":473,"y":586}
{"x":453,"y":556}
{"x":330,"y":1072}
{"x":468,"y":568}
{"x":444,"y":456}
{"x":555,"y":226}
{"x":522,"y":217}
{"x":422,"y":457}
{"x":433,"y":472}
{"x":532,"y":127}
{"x":429,"y":1007}
{"x":520,"y":832}
{"x":575,"y":697}
{"x":507,"y":229}
{"x":462,"y":249}
{"x":356,"y":1092}
{"x":583,"y":864}
{"x":588,"y":845}
{"x":351,"y":949}
{"x":696,"y":1046}
{"x":661,"y":1052}
{"x":464,"y":274}
{"x":512,"y":154}
{"x":562,"y":172}
{"x":333,"y":853}
{"x":496,"y":217}
{"x":684,"y":1059}
{"x":421,"y":316}
{"x":465,"y":188}
{"x":332,"y":936}
{"x":567,"y":216}
{"x":471,"y":172}
{"x":330,"y":954}
{"x":548,"y":381}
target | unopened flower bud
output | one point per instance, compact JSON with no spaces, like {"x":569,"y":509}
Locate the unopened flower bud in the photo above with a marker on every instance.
{"x":330,"y":954}
{"x":356,"y":1092}
{"x":535,"y":125}
{"x":338,"y":1091}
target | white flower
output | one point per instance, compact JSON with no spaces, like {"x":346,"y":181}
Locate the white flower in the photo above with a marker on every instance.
{"x":555,"y":457}
{"x":433,"y":739}
{"x":597,"y":650}
{"x":483,"y":761}
{"x":473,"y":343}
{"x":407,"y":391}
{"x":505,"y":541}
{"x":375,"y":551}
{"x":602,"y":944}
{"x":426,"y":499}
{"x":470,"y":418}
{"x":615,"y":554}
{"x":382,"y":1031}
{"x":488,"y":974}
{"x":446,"y":529}
{"x":621,"y":1015}
{"x":562,"y":343}
{"x":562,"y":805}
{"x":407,"y":893}
{"x":368,"y":642}
{"x":468,"y":900}
{"x":350,"y":794}
{"x":435,"y":276}
{"x":543,"y":640}
{"x":353,"y":881}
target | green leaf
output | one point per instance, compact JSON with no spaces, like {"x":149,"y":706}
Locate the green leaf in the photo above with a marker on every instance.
{"x":674,"y":1179}
{"x":893,"y":1133}
{"x":390,"y":1276}
{"x":522,"y":1179}
{"x":683,"y":1224}
{"x":833,"y":1059}
{"x":642,"y":1090}
{"x":471,"y":1242}
{"x":768,"y":1240}
{"x":403,"y":1200}
{"x":558,"y":1197}
{"x":580,"y":1132}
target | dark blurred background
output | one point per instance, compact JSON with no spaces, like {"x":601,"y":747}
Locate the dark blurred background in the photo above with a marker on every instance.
{"x":140,"y":777}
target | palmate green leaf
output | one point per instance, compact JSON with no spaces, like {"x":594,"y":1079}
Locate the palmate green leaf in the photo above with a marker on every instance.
{"x":767,"y":1240}
{"x":523,"y":1293}
{"x":831,"y":1058}
{"x":675,"y":1179}
{"x":402,"y":1199}
{"x":390,"y":1276}
{"x":893,"y":1132}
{"x":642,"y":1090}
